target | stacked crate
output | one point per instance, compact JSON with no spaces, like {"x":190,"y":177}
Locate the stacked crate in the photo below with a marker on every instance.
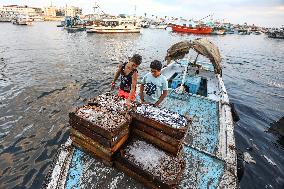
{"x":100,"y":127}
{"x":154,"y":155}
{"x":164,"y":128}
{"x":150,"y":165}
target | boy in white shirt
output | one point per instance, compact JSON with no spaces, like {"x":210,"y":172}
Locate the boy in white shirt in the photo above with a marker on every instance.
{"x":154,"y":87}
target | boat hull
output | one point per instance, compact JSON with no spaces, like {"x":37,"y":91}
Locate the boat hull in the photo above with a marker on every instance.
{"x":113,"y":31}
{"x":183,"y":29}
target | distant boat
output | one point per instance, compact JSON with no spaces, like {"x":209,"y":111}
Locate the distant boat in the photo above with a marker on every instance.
{"x":158,"y":26}
{"x":145,"y":24}
{"x":73,"y":24}
{"x":277,"y":33}
{"x":7,"y":16}
{"x":218,"y":31}
{"x":256,"y":32}
{"x":116,"y":25}
{"x":243,"y":32}
{"x":195,"y":30}
{"x":62,"y":24}
{"x":22,"y":20}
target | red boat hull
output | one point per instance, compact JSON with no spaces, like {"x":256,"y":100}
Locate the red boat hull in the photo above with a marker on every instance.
{"x":184,"y":29}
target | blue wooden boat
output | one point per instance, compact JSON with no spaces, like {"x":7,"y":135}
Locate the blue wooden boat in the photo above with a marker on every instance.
{"x":196,"y":89}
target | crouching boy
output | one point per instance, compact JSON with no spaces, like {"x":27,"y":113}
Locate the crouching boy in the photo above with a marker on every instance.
{"x":154,"y":87}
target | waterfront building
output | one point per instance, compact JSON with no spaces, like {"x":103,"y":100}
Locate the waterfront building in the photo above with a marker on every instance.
{"x":9,"y":12}
{"x":73,"y":11}
{"x":25,"y":10}
{"x":50,"y":11}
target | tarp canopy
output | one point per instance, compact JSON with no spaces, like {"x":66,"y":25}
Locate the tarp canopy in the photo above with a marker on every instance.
{"x":201,"y":46}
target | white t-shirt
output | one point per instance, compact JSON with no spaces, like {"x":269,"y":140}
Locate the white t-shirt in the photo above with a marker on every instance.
{"x":154,"y":87}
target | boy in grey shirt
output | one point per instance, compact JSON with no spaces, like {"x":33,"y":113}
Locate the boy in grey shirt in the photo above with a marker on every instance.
{"x":154,"y":87}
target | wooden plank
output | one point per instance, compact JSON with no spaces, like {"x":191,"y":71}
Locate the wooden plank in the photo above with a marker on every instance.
{"x":97,"y":137}
{"x":121,"y":160}
{"x":177,"y":133}
{"x":94,"y":144}
{"x":161,"y":144}
{"x":156,"y":133}
{"x":100,"y":130}
{"x":92,"y":151}
{"x":134,"y":175}
{"x":88,"y":132}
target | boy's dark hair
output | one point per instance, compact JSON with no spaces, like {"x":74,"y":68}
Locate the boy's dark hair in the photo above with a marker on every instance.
{"x":156,"y":64}
{"x":136,"y":58}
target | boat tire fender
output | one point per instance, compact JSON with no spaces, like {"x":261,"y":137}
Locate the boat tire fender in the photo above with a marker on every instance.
{"x":235,"y":114}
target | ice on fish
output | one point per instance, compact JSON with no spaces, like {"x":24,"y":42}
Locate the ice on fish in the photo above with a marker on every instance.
{"x":165,"y":116}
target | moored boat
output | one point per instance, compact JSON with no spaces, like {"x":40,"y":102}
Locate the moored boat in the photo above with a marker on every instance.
{"x":196,"y":90}
{"x":276,"y":33}
{"x":22,"y":20}
{"x":158,"y":25}
{"x":73,"y":24}
{"x":116,"y":25}
{"x":193,"y":30}
{"x":217,"y":31}
{"x":7,"y":16}
{"x":244,"y":32}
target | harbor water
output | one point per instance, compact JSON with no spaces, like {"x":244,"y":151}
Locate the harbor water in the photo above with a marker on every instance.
{"x":45,"y":71}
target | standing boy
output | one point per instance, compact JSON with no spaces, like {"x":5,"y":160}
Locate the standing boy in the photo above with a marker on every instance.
{"x":154,"y":87}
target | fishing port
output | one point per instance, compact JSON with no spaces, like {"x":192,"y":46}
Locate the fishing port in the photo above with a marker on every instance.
{"x":77,"y":81}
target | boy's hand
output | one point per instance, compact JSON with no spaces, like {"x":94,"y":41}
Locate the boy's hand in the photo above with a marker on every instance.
{"x":156,"y":104}
{"x":112,"y":85}
{"x":128,"y":104}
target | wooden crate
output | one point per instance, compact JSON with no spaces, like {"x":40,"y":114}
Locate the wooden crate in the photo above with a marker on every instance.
{"x":173,"y":150}
{"x":108,"y":143}
{"x":147,"y":177}
{"x":74,"y":118}
{"x":157,"y":133}
{"x":96,"y":149}
{"x":178,"y":133}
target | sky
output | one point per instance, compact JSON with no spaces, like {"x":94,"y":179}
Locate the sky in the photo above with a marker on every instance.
{"x":267,"y":13}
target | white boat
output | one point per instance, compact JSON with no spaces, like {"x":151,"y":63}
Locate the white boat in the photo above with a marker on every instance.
{"x":158,"y":26}
{"x":22,"y":20}
{"x":196,"y":89}
{"x":7,"y":16}
{"x":117,"y":25}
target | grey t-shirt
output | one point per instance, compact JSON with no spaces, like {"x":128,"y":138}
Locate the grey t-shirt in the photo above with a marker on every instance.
{"x":153,"y":87}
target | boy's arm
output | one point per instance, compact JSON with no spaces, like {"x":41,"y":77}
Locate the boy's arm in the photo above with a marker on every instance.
{"x":165,"y":92}
{"x":116,"y":75}
{"x":133,"y":85}
{"x":162,"y":97}
{"x":142,"y":93}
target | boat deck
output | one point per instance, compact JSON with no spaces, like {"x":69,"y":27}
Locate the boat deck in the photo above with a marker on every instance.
{"x":201,"y":170}
{"x":203,"y":134}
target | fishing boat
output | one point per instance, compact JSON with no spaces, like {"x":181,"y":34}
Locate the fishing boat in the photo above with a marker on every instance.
{"x":116,"y":25}
{"x":276,"y":33}
{"x":244,"y":32}
{"x":196,"y":90}
{"x":218,"y":31}
{"x":7,"y":16}
{"x":158,"y":25}
{"x":73,"y":24}
{"x":200,"y":29}
{"x":145,"y":23}
{"x":22,"y":20}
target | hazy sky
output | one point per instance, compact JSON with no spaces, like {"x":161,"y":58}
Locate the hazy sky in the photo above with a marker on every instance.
{"x":260,"y":12}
